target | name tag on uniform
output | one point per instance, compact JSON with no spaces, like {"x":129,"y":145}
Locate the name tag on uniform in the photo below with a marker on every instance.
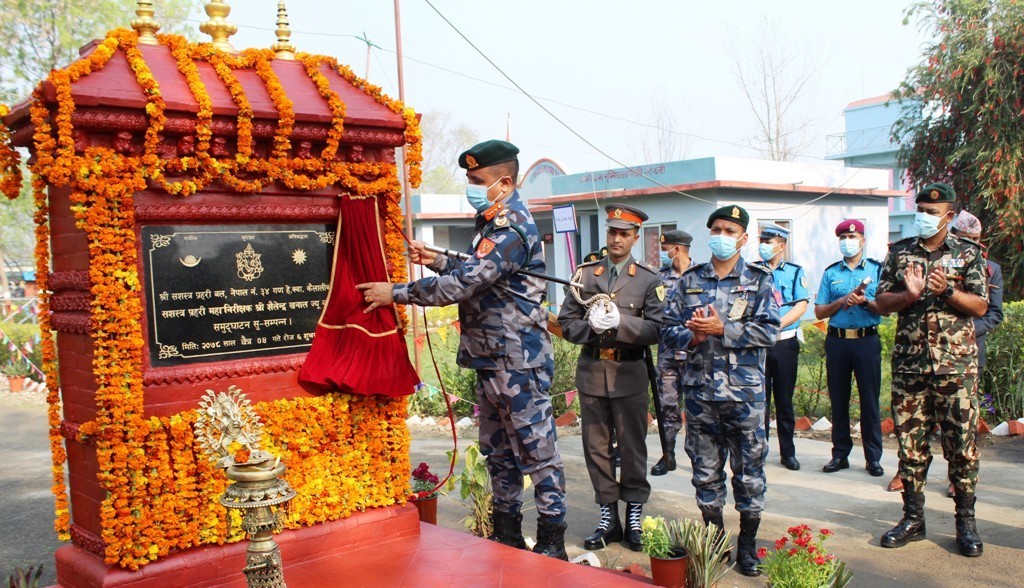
{"x":738,"y":308}
{"x":695,"y":290}
{"x":748,"y":288}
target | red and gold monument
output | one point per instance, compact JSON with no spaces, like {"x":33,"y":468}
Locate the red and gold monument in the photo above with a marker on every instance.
{"x":188,"y":209}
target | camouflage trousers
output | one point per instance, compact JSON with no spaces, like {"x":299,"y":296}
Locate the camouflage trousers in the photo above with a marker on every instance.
{"x":517,"y":435}
{"x":717,"y":430}
{"x":670,"y":391}
{"x":920,"y":402}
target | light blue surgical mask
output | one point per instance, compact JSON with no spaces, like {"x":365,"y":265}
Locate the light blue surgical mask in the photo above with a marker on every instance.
{"x":477,"y":195}
{"x":666,"y":260}
{"x":766,"y":250}
{"x":849,"y":247}
{"x":927,"y":225}
{"x":722,"y":247}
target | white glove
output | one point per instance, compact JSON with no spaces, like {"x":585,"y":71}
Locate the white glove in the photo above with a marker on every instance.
{"x":596,"y":318}
{"x":612,"y":318}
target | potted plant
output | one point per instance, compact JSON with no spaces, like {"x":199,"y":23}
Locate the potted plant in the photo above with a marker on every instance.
{"x":706,"y":550}
{"x":425,"y":493}
{"x":664,"y":544}
{"x":16,"y":373}
{"x":801,"y":561}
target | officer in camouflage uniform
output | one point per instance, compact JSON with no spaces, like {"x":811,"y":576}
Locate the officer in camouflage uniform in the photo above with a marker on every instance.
{"x":675,"y":259}
{"x":626,"y":303}
{"x":504,"y":338}
{"x":725,"y":316}
{"x":938,"y":284}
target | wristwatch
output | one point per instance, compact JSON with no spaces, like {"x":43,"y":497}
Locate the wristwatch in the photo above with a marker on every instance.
{"x":948,"y":292}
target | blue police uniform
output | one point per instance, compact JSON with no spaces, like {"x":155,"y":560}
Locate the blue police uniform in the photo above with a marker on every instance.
{"x":853,"y":347}
{"x":781,"y":364}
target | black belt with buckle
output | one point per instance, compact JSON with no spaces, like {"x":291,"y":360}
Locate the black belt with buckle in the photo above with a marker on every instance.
{"x":613,"y":354}
{"x":852,"y":333}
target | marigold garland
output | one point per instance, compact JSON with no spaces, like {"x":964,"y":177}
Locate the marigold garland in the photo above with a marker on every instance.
{"x":10,"y":160}
{"x":344,"y":453}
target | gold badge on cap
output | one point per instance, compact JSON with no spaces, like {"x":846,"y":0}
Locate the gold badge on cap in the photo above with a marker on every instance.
{"x":471,"y":162}
{"x":617,"y":213}
{"x":853,"y":228}
{"x":735,"y":212}
{"x":663,"y":238}
{"x":934,"y":195}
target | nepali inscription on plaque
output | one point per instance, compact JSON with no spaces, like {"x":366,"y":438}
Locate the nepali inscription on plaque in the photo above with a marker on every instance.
{"x":232,"y":291}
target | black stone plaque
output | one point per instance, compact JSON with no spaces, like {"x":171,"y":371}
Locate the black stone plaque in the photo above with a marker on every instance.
{"x":225,"y":292}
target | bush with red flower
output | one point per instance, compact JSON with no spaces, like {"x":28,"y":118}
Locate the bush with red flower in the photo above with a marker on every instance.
{"x":424,"y":482}
{"x":800,"y":560}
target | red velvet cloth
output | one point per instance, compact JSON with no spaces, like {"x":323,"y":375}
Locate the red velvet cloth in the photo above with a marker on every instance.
{"x":356,"y":352}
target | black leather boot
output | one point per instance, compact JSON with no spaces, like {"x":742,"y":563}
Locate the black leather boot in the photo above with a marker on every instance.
{"x":667,"y":463}
{"x":609,"y":529}
{"x":551,"y":538}
{"x":713,"y":516}
{"x":746,"y":545}
{"x":966,"y":528}
{"x":508,"y":529}
{"x":911,"y":526}
{"x":634,"y":510}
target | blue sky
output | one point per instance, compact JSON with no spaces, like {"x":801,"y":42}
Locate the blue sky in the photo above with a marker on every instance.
{"x":616,"y":58}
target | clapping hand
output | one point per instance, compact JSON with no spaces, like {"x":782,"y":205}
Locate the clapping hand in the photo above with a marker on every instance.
{"x":913,"y":280}
{"x":937,"y":282}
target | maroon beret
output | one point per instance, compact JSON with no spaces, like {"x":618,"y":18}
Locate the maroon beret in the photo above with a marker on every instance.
{"x":850,"y":225}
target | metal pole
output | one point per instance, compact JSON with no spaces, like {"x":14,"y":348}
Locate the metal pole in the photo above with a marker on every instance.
{"x":406,"y":191}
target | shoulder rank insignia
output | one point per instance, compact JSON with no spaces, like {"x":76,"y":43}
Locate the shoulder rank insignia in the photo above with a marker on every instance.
{"x":485,"y":248}
{"x":598,"y":270}
{"x":660,"y":291}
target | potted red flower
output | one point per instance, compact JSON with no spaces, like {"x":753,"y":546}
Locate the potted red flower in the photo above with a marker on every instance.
{"x":800,"y":560}
{"x":425,"y":492}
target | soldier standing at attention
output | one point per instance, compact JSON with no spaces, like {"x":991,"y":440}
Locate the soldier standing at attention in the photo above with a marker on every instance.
{"x":781,"y":364}
{"x":724,"y":315}
{"x":846,"y":298}
{"x":938,"y":283}
{"x":675,"y":259}
{"x":611,"y":375}
{"x":504,"y":338}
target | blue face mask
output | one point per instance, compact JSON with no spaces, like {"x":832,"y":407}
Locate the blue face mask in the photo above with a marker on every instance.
{"x":766,"y":250}
{"x":665,"y":259}
{"x":477,"y":195}
{"x":849,"y":247}
{"x":722,"y":246}
{"x":927,"y":225}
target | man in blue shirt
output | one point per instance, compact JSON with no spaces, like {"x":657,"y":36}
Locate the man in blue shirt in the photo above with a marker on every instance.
{"x":790,"y":291}
{"x":847,"y":298}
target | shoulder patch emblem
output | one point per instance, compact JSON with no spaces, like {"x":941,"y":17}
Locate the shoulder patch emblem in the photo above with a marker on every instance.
{"x":803,"y":281}
{"x":660,"y":291}
{"x":501,"y":221}
{"x":485,"y":248}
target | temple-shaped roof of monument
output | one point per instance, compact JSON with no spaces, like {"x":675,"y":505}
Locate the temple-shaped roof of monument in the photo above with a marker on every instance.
{"x":115,"y":86}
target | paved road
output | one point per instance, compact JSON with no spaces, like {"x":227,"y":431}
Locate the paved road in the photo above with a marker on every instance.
{"x":851,"y":503}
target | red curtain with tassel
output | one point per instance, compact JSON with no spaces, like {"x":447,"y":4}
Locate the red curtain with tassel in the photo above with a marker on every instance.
{"x":356,"y":352}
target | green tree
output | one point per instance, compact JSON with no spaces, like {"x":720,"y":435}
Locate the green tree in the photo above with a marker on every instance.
{"x":443,"y":140}
{"x":45,"y":34}
{"x":962,"y":118}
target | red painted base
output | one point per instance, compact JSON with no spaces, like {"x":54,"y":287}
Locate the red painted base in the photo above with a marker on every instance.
{"x":221,"y":565}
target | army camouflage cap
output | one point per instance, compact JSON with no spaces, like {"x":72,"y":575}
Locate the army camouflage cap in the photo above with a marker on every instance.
{"x":731,"y":213}
{"x":937,"y":192}
{"x":487,"y":154}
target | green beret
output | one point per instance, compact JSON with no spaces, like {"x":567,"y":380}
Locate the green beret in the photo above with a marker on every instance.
{"x":730,"y":213}
{"x":596,"y":255}
{"x":487,"y":154}
{"x":937,"y":192}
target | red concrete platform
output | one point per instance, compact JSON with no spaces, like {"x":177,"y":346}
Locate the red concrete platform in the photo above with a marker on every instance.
{"x":443,"y":558}
{"x":379,"y":548}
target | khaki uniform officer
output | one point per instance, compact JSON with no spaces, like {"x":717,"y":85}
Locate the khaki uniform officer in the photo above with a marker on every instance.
{"x":622,"y":320}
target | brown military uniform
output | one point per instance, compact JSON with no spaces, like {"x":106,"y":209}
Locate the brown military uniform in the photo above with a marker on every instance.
{"x":934,"y":362}
{"x":611,"y":375}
